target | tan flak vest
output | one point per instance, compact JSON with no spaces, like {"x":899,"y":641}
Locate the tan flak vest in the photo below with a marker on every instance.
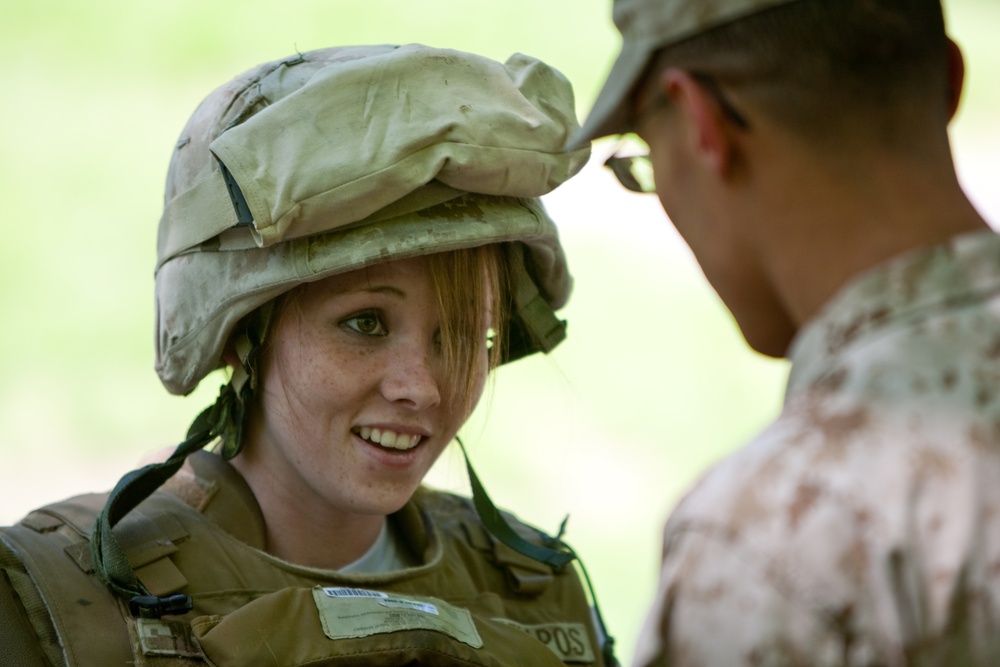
{"x":472,"y":601}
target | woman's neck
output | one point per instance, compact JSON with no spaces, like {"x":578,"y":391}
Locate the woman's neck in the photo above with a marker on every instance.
{"x":303,"y":529}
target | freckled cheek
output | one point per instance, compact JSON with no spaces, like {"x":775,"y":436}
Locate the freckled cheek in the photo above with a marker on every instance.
{"x":337,"y":377}
{"x":354,"y":364}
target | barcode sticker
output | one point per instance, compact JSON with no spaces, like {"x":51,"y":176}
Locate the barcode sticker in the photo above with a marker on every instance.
{"x":399,"y":603}
{"x":354,"y":593}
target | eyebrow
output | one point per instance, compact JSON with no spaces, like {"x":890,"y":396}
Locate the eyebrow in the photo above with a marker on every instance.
{"x":379,"y":289}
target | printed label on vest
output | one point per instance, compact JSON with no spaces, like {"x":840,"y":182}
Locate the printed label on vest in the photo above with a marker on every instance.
{"x":166,"y":638}
{"x":569,"y":641}
{"x":348,"y":613}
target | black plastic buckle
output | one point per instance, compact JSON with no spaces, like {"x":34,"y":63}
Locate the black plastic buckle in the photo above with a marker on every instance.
{"x":151,"y":606}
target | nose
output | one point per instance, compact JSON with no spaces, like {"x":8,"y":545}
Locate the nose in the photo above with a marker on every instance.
{"x":411,"y":379}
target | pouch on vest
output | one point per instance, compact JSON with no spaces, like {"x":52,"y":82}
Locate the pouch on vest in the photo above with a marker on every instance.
{"x":294,"y":627}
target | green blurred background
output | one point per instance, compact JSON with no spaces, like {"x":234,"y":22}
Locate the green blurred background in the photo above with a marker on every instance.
{"x":652,"y":386}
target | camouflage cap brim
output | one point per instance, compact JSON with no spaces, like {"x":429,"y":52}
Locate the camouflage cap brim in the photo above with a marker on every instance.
{"x":647,"y":26}
{"x":610,"y":114}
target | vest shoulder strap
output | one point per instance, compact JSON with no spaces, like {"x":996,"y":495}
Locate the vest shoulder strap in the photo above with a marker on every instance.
{"x":51,"y":576}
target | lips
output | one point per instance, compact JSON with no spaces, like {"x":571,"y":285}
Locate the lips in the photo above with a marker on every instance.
{"x":388,"y":438}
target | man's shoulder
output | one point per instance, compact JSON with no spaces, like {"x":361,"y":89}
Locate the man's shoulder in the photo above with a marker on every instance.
{"x":802,"y":460}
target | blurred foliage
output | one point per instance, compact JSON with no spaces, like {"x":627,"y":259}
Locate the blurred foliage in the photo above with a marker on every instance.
{"x":653,"y":384}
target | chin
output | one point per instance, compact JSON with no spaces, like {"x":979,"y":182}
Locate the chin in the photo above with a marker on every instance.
{"x":384,"y":504}
{"x":775,"y":347}
{"x":767,"y":328}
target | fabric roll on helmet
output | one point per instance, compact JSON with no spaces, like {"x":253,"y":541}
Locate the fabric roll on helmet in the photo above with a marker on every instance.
{"x":327,"y":162}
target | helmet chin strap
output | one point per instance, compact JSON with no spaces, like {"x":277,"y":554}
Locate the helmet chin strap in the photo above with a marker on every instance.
{"x":553,"y":551}
{"x":247,"y":345}
{"x":225,"y":421}
{"x":106,"y":554}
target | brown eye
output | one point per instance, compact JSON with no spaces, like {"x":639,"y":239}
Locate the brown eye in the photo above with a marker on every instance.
{"x":369,"y":324}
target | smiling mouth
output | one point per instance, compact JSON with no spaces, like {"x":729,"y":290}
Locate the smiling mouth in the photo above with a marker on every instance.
{"x":388,"y":439}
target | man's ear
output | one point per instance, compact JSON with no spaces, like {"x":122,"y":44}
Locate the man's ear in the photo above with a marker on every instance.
{"x":956,"y":77}
{"x":709,"y":127}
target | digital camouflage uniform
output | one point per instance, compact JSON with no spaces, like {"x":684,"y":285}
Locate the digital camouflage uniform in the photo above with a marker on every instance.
{"x":863,"y":526}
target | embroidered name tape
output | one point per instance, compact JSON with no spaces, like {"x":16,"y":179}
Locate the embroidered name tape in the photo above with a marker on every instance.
{"x":348,"y":613}
{"x":569,"y":641}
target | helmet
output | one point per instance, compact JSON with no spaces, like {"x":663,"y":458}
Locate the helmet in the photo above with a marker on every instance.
{"x":335,"y":159}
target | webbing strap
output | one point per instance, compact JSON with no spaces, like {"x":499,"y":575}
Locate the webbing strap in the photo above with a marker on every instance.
{"x":225,"y":420}
{"x":607,"y":641}
{"x":108,"y":558}
{"x":21,"y":605}
{"x":557,"y":558}
{"x":543,"y":327}
{"x":181,"y":230}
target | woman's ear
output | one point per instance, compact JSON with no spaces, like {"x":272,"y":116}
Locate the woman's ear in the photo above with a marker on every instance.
{"x":708,"y":127}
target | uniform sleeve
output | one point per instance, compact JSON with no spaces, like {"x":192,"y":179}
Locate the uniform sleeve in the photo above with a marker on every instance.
{"x":19,"y":644}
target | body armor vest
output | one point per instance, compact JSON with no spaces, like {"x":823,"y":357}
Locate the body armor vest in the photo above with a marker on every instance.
{"x":470,"y":601}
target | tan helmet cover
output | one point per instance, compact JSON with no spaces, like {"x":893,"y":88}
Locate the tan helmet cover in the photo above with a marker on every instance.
{"x":340,"y":158}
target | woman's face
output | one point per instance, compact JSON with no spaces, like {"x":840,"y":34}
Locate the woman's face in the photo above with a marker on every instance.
{"x":354,"y":408}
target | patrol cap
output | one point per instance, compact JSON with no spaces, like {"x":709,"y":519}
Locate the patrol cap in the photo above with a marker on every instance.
{"x":647,"y":26}
{"x":340,"y":158}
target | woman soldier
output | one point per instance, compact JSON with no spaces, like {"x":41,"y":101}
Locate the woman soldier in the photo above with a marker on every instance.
{"x":356,"y":233}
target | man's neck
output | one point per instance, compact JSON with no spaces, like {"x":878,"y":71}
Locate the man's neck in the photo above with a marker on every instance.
{"x":820,"y":225}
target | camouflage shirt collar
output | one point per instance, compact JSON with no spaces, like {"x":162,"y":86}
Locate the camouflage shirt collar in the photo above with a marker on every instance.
{"x":891,"y":294}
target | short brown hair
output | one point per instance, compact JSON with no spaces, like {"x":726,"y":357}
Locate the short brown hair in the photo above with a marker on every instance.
{"x":833,"y":69}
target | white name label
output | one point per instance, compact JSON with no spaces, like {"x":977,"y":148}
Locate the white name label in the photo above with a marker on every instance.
{"x":348,"y":613}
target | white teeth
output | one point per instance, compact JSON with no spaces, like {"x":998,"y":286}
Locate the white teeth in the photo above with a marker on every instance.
{"x":387,"y":438}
